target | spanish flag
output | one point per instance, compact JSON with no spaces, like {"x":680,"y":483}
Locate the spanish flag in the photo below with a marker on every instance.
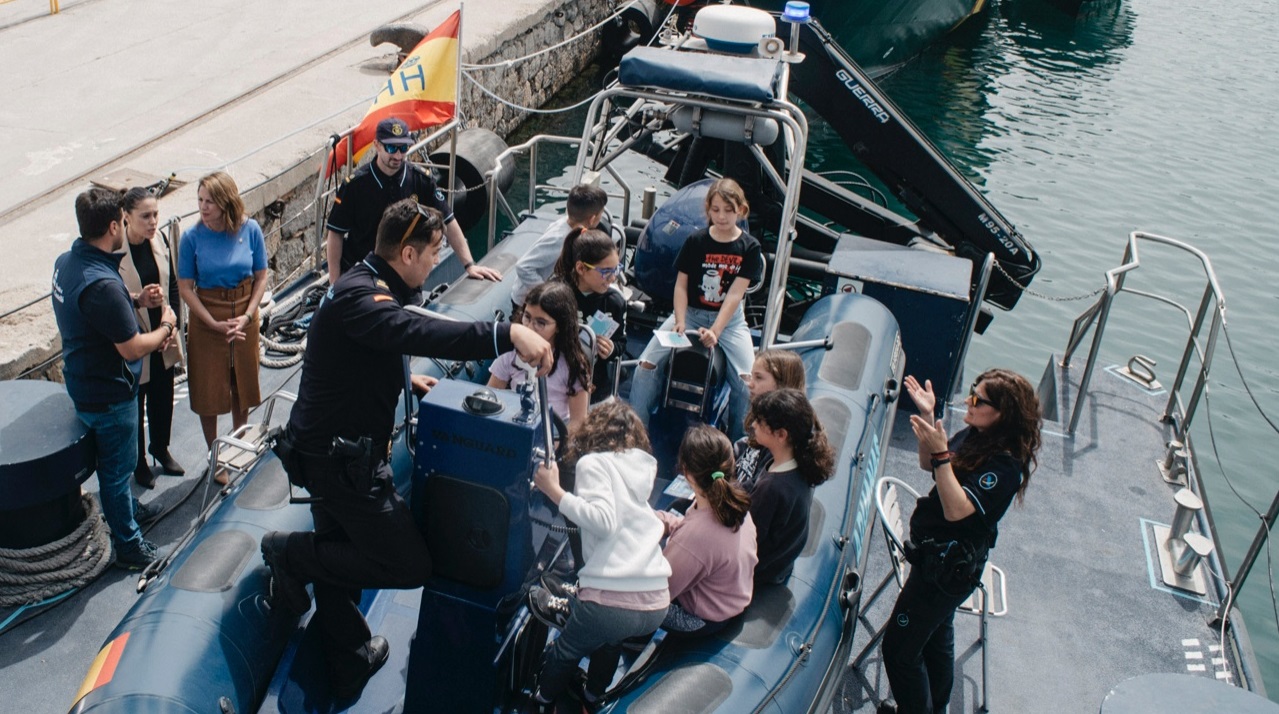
{"x":422,"y":91}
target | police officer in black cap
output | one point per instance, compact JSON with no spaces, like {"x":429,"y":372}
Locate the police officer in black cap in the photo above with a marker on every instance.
{"x":359,"y":203}
{"x":336,"y":442}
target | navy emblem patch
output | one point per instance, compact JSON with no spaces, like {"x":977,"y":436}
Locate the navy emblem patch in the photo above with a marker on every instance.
{"x":903,"y":620}
{"x":439,"y":195}
{"x":988,"y":480}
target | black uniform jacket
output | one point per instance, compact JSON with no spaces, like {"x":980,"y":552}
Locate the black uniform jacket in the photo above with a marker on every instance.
{"x":353,"y":374}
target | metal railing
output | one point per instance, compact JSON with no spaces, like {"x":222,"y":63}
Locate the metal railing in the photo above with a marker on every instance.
{"x":1210,"y":313}
{"x":531,"y":148}
{"x":1099,"y":313}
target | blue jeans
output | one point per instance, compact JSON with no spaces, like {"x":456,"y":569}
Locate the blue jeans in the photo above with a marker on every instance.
{"x":739,"y":352}
{"x":115,"y":434}
{"x":595,"y":630}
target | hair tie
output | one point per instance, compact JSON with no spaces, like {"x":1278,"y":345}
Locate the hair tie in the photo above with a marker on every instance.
{"x":717,"y":475}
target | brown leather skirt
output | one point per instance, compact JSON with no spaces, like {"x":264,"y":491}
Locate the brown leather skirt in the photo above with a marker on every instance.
{"x":213,"y":365}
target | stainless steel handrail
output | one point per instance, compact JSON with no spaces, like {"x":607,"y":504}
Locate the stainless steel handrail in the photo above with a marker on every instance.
{"x":1099,"y":314}
{"x":786,"y":114}
{"x":531,"y":148}
{"x":1175,"y":413}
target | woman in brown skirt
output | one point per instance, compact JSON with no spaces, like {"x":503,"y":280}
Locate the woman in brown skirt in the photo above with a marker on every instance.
{"x":222,"y":266}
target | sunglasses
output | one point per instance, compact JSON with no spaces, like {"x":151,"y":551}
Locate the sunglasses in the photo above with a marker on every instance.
{"x":975,"y":401}
{"x":538,"y":323}
{"x":606,"y":273}
{"x":396,"y":148}
{"x":432,"y":223}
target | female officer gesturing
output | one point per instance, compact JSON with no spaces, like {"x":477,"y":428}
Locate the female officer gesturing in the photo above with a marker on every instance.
{"x":976,"y":475}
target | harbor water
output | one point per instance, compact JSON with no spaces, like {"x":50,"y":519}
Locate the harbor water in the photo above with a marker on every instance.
{"x":1142,"y":115}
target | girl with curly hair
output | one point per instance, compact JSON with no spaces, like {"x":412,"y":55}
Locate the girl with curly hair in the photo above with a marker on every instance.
{"x":622,"y":583}
{"x":786,"y":425}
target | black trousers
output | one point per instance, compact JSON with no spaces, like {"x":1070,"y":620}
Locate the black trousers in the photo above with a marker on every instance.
{"x":919,"y":645}
{"x":155,"y":399}
{"x":362,"y":539}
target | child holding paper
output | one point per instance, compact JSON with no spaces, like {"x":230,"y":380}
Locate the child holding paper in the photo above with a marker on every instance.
{"x":549,"y":311}
{"x":589,"y":263}
{"x":716,"y":265}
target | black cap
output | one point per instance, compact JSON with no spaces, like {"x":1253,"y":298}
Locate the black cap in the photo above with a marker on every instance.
{"x":394,"y":131}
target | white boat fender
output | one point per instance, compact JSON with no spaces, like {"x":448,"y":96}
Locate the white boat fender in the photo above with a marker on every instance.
{"x":733,"y":28}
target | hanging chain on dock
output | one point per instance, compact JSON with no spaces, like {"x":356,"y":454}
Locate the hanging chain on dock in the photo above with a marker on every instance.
{"x":1043,"y":296}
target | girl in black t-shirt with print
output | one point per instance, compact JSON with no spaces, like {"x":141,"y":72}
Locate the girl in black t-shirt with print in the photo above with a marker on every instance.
{"x":715,"y":267}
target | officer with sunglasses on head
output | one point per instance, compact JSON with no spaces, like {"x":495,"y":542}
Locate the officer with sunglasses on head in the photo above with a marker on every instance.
{"x":390,"y":177}
{"x":337,"y":441}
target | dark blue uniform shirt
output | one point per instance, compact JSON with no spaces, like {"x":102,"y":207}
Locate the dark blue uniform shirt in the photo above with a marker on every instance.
{"x":360,"y":201}
{"x":352,"y":374}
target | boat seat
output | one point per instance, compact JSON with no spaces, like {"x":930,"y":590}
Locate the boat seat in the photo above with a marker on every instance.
{"x":990,"y":599}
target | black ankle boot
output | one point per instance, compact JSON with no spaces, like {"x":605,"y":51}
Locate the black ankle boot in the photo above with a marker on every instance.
{"x":143,"y":475}
{"x":168,"y":464}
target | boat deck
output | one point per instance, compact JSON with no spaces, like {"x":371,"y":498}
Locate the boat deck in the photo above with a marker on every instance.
{"x":1087,"y":608}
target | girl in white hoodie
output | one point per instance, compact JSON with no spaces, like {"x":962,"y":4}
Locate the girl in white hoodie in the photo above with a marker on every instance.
{"x":621,"y":590}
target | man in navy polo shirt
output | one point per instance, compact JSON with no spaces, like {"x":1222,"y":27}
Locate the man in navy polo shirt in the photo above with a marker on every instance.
{"x":102,"y":353}
{"x":360,"y":202}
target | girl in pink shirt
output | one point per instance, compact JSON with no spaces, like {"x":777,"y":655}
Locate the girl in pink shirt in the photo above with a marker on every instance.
{"x":711,"y":549}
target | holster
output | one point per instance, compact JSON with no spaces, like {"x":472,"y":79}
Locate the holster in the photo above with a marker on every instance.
{"x":954,"y":566}
{"x":290,"y":458}
{"x":357,"y":460}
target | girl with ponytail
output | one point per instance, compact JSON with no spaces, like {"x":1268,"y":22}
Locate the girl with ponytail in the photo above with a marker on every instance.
{"x":711,"y":548}
{"x":590,"y":264}
{"x":785,"y":424}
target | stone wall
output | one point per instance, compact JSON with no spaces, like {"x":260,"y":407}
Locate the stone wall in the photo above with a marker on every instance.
{"x":283,"y":205}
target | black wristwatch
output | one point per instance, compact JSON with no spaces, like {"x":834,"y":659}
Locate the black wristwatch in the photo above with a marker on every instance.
{"x":938,"y":463}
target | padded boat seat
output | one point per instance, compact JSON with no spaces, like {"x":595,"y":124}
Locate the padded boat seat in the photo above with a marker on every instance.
{"x":742,"y":78}
{"x":694,"y":375}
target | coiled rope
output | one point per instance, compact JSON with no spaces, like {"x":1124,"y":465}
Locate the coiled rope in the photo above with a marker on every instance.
{"x":287,"y":324}
{"x":30,"y":575}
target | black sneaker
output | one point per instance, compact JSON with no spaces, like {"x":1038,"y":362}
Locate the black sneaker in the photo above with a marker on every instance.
{"x":145,"y":513}
{"x":168,"y":464}
{"x":285,"y":592}
{"x":551,"y":610}
{"x":588,"y":703}
{"x":136,"y":556}
{"x":375,"y":653}
{"x":558,"y":587}
{"x":886,"y":708}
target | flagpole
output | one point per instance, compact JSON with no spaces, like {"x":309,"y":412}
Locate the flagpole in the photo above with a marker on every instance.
{"x":457,"y":101}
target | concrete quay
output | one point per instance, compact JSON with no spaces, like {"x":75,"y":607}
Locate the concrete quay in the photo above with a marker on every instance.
{"x":253,"y":88}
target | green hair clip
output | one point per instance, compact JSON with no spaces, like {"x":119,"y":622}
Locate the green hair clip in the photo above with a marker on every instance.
{"x":717,"y":475}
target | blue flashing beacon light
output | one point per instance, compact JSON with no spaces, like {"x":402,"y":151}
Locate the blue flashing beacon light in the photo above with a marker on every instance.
{"x":797,"y":12}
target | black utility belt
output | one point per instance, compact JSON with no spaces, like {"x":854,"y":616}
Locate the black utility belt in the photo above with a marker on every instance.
{"x":954,"y":565}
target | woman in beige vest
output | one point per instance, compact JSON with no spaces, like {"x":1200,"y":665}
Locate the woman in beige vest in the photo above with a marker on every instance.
{"x":147,"y":266}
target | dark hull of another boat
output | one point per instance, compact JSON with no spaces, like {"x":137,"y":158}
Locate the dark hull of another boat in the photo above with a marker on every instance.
{"x":881,"y":35}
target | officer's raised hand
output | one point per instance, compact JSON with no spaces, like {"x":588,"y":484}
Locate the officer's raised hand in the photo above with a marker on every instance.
{"x":533,"y":349}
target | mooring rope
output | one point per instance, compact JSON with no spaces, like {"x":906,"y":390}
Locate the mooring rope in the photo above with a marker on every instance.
{"x":29,"y":575}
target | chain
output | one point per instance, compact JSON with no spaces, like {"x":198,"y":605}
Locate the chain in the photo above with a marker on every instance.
{"x":1042,"y":296}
